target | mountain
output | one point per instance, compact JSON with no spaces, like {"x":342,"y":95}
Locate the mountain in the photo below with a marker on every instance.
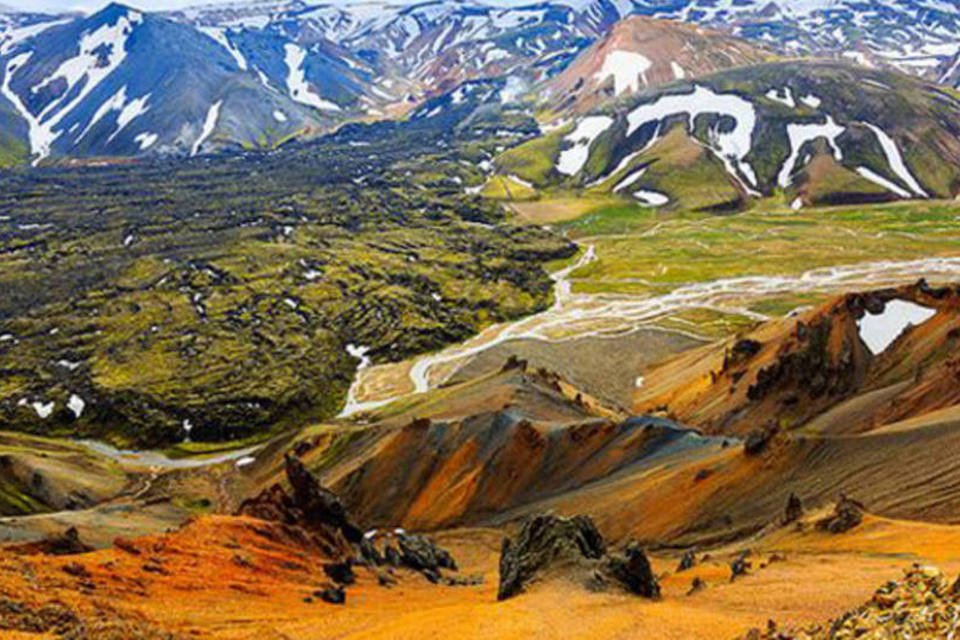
{"x":121,"y":82}
{"x":253,"y":74}
{"x":911,"y":35}
{"x":639,"y":53}
{"x":810,"y":132}
{"x":852,"y":365}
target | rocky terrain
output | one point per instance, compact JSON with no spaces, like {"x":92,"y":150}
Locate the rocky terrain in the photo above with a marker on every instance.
{"x":583,"y":319}
{"x":922,"y":604}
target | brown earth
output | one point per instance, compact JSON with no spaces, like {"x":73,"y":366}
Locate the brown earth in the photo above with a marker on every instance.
{"x":664,"y":43}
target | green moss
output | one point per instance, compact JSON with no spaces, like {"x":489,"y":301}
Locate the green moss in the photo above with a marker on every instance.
{"x":534,"y":161}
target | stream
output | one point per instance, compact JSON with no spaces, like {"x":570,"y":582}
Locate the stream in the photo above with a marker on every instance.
{"x":579,"y":315}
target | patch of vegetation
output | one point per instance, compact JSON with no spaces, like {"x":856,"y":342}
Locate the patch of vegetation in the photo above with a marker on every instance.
{"x":507,"y":188}
{"x":220,"y":294}
{"x":534,"y":161}
{"x":640,"y":252}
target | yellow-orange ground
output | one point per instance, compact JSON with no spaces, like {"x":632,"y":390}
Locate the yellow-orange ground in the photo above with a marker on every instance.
{"x":240,"y":578}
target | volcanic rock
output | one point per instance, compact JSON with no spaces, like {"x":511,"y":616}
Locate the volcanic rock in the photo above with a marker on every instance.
{"x":544,"y":541}
{"x":739,"y":566}
{"x":310,"y":507}
{"x":847,"y":514}
{"x":319,"y":505}
{"x":632,"y":569}
{"x":687,"y":561}
{"x":333,"y":594}
{"x":64,"y":544}
{"x":340,"y":572}
{"x":422,"y":554}
{"x":547,"y":544}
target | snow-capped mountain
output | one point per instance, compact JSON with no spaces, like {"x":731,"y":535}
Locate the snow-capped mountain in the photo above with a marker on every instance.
{"x":912,"y":35}
{"x":638,"y":53}
{"x":812,"y":132}
{"x":123,"y":82}
{"x":253,"y":73}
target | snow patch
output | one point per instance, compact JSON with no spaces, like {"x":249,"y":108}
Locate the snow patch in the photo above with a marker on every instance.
{"x":146,"y":140}
{"x":876,"y":178}
{"x":209,"y":124}
{"x":652,"y":198}
{"x":219,"y":35}
{"x":44,"y":410}
{"x":879,"y":331}
{"x":297,"y":80}
{"x":783,"y":96}
{"x":572,"y":160}
{"x":895,"y":160}
{"x":627,"y":69}
{"x":730,"y":146}
{"x":801,"y":134}
{"x":76,"y":405}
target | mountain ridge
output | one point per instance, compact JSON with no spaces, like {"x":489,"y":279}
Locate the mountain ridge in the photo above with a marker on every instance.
{"x":321,"y":65}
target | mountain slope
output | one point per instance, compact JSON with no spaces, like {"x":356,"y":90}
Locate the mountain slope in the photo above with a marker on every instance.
{"x":639,"y":53}
{"x":254,"y":74}
{"x":765,"y":126}
{"x":122,"y":82}
{"x":853,"y":365}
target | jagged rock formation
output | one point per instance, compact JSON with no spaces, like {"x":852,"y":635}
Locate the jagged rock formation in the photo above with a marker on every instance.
{"x":310,"y":508}
{"x":318,"y":511}
{"x":574,"y":546}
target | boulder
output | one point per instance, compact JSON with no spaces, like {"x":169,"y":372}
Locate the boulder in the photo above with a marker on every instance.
{"x":67,"y":543}
{"x":847,"y":514}
{"x":687,"y":561}
{"x":332,"y":594}
{"x":340,"y":572}
{"x":632,"y":570}
{"x":420,"y":553}
{"x":740,"y":566}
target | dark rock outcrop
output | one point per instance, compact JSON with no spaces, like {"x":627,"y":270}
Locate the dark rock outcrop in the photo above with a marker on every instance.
{"x":687,"y":561}
{"x":544,"y":541}
{"x":67,"y":543}
{"x":309,"y":506}
{"x":847,"y":514}
{"x":740,"y":566}
{"x":319,"y":505}
{"x":332,"y":594}
{"x":794,"y":509}
{"x":758,"y":440}
{"x":420,"y":553}
{"x":632,"y":569}
{"x":321,"y":519}
{"x":573,"y":547}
